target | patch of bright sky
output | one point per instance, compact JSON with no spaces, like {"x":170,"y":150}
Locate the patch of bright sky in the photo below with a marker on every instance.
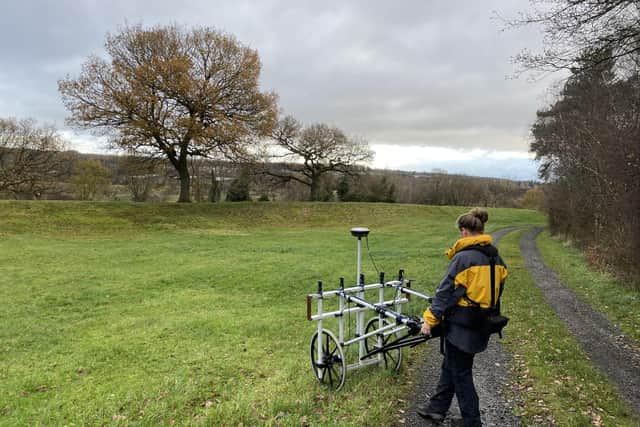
{"x":518,"y":165}
{"x":85,"y":143}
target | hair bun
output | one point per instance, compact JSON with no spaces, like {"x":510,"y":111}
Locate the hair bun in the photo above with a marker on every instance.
{"x":480,"y":213}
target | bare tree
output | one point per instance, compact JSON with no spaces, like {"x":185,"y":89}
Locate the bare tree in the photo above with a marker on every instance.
{"x":314,"y":151}
{"x":91,"y":179}
{"x":173,"y":93}
{"x":141,"y":174}
{"x":31,"y":158}
{"x":578,"y":32}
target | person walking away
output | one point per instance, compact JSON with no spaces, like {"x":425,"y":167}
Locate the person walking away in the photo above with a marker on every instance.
{"x":461,"y":302}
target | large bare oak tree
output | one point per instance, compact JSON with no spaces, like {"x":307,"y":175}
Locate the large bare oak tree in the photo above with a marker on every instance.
{"x":173,"y":93}
{"x":314,"y":151}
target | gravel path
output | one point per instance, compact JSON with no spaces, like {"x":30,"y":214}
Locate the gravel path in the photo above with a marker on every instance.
{"x":608,"y":348}
{"x":490,"y":374}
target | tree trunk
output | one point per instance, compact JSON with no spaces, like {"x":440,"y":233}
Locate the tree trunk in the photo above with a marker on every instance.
{"x":314,"y":188}
{"x":214,"y":190}
{"x":185,"y":183}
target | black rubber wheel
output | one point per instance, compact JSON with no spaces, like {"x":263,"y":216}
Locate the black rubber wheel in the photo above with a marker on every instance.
{"x":331,"y":368}
{"x":392,"y":358}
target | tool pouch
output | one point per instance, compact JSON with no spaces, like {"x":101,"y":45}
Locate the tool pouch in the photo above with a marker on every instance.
{"x":483,"y":320}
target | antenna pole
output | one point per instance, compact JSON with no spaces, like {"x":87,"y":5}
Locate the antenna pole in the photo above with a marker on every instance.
{"x":360,"y":232}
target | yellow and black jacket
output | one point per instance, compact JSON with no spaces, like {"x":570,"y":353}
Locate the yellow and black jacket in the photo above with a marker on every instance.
{"x":470,"y":269}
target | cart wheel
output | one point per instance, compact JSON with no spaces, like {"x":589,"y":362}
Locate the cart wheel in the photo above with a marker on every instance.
{"x":331,"y":369}
{"x":392,"y":358}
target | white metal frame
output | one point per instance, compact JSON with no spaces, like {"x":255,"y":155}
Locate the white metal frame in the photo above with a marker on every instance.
{"x":394,"y":319}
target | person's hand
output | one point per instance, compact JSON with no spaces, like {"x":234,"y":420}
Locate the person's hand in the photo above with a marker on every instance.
{"x":426,"y":329}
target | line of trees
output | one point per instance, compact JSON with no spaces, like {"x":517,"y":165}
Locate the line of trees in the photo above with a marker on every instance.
{"x":148,"y":179}
{"x":588,"y":140}
{"x":589,"y":144}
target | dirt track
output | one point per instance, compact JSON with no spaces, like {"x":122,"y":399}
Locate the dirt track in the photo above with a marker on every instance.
{"x":608,"y":348}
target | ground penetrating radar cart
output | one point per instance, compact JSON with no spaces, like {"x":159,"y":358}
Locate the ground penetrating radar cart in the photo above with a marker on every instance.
{"x":380,"y":339}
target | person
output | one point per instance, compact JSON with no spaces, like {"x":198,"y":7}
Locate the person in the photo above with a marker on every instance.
{"x":465,"y":288}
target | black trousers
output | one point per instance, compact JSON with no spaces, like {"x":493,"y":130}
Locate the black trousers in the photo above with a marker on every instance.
{"x":456,"y":378}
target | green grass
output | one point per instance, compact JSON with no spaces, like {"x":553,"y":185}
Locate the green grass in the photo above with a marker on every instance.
{"x":600,"y":290}
{"x":552,"y":377}
{"x":155,"y":314}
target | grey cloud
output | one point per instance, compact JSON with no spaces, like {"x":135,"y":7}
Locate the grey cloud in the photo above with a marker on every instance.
{"x":411,"y":72}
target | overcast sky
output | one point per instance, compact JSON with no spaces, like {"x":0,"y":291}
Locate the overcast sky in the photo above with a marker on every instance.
{"x":427,"y":83}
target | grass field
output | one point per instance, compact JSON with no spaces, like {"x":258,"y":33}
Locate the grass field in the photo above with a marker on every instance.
{"x":139,"y":314}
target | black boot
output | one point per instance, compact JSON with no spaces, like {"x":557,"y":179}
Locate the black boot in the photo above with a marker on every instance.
{"x":434,"y":417}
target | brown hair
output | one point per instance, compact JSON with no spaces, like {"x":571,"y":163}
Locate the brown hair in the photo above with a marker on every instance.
{"x":473,"y":220}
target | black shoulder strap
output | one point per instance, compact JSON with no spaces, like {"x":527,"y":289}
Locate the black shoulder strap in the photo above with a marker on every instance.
{"x":492,"y":263}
